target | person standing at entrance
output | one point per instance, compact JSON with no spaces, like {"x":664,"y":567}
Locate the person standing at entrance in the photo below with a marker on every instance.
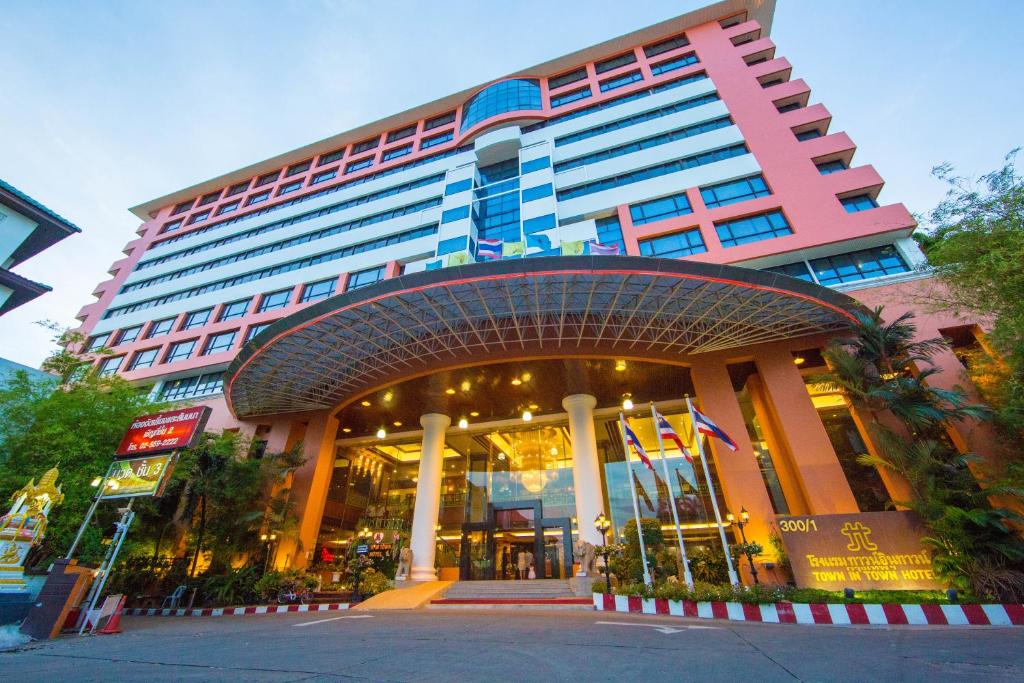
{"x":531,"y":572}
{"x":522,"y":564}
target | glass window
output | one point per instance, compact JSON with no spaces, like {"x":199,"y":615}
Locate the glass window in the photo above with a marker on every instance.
{"x":674,"y":245}
{"x":620,"y":81}
{"x":609,"y":232}
{"x":143,"y":359}
{"x":267,"y":178}
{"x":324,"y":176}
{"x":209,"y":198}
{"x":197,"y":319}
{"x":571,"y":96}
{"x":318,"y":290}
{"x":458,"y":213}
{"x":396,"y":152}
{"x":402,"y":133}
{"x":458,"y":186}
{"x":789,"y":107}
{"x":289,"y":187}
{"x":673,"y":64}
{"x":798,"y":270}
{"x":200,"y":216}
{"x":160,"y":327}
{"x":366,"y":277}
{"x":660,"y":209}
{"x":734,"y":191}
{"x":108,"y":366}
{"x":615,"y":62}
{"x":808,"y":134}
{"x":235,"y":309}
{"x":228,"y":208}
{"x":129,"y":334}
{"x":330,"y":157}
{"x":436,"y":140}
{"x":358,"y":165}
{"x":298,"y":168}
{"x":536,"y":165}
{"x":365,"y":146}
{"x":97,"y":342}
{"x":438,"y":121}
{"x":861,"y":202}
{"x":834,"y":166}
{"x":171,"y":226}
{"x":859,"y":265}
{"x":257,"y":198}
{"x":189,"y":387}
{"x":567,"y":78}
{"x":506,"y":96}
{"x":539,"y":192}
{"x":183,"y":207}
{"x":218,"y":343}
{"x":638,"y":119}
{"x":752,"y":229}
{"x":237,"y":188}
{"x":666,"y":46}
{"x":275,"y":300}
{"x":254,"y":330}
{"x":180,"y":351}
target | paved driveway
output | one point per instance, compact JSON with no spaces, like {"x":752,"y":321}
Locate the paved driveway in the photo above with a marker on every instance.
{"x":515,"y":645}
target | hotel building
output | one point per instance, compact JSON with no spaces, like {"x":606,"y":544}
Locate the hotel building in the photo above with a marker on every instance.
{"x":449,"y":307}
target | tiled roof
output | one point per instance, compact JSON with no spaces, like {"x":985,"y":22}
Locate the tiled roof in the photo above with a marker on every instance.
{"x":39,"y":206}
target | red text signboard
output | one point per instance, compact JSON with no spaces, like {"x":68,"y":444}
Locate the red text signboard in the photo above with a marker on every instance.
{"x":167,"y":431}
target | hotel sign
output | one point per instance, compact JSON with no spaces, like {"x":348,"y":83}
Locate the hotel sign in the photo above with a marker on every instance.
{"x":864,"y":551}
{"x":166,"y":431}
{"x":138,"y":476}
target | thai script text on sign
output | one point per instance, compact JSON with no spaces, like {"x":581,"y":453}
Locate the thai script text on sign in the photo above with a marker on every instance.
{"x":138,"y":476}
{"x":166,"y":431}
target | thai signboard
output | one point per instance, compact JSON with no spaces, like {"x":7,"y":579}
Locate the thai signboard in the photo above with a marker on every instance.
{"x":864,"y":551}
{"x":165,"y":431}
{"x":138,"y":477}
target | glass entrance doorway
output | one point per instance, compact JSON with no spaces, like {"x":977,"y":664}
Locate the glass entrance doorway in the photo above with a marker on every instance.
{"x":516,"y":541}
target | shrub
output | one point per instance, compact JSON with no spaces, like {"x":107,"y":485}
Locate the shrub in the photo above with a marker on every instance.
{"x":235,"y":587}
{"x":374,"y":582}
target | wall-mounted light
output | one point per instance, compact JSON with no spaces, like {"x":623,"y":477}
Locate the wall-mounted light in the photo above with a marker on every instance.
{"x":527,"y":416}
{"x":463,"y":423}
{"x":627,"y":401}
{"x":381,"y":433}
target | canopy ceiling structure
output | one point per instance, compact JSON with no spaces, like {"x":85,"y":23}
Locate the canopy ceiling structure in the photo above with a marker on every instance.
{"x":569,"y":306}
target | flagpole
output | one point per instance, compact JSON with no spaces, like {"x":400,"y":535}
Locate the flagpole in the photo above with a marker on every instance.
{"x":733,"y":579}
{"x":672,"y":498}
{"x":636,"y":506}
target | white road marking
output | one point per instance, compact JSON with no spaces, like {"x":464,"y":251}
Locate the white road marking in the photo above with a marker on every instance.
{"x":661,"y":629}
{"x":324,"y":621}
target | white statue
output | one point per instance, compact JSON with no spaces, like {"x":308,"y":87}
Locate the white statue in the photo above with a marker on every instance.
{"x":586,"y":553}
{"x":404,"y":564}
{"x":24,"y":526}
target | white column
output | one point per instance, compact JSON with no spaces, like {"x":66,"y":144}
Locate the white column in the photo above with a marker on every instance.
{"x":428,"y":497}
{"x":586,"y":473}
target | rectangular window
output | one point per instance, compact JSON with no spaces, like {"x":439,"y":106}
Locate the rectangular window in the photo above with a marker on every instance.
{"x":257,"y":198}
{"x":436,"y":140}
{"x":237,"y":188}
{"x":110,"y":365}
{"x":97,"y":342}
{"x":539,"y":224}
{"x":190,"y":387}
{"x":274,"y":300}
{"x":438,"y":121}
{"x":199,"y":216}
{"x":789,"y":107}
{"x":734,"y":191}
{"x":298,"y":168}
{"x":666,"y":46}
{"x":458,"y":186}
{"x":609,"y":232}
{"x":160,"y":327}
{"x":834,"y":166}
{"x":183,"y":207}
{"x":798,"y":270}
{"x":774,"y":81}
{"x":289,"y":187}
{"x":660,"y":209}
{"x":452,"y":245}
{"x":267,"y":178}
{"x":324,"y":176}
{"x":615,"y":62}
{"x":129,"y":334}
{"x":808,"y":134}
{"x":180,"y":351}
{"x":358,"y":165}
{"x":859,"y":265}
{"x":197,"y":319}
{"x":752,"y":229}
{"x":620,"y":81}
{"x":861,"y":202}
{"x":674,"y":245}
{"x":565,"y":98}
{"x":402,"y":133}
{"x":456,"y":214}
{"x":218,"y":343}
{"x":171,"y":226}
{"x":330,"y":157}
{"x":366,"y":277}
{"x":673,"y":64}
{"x":315,"y":291}
{"x":396,"y":152}
{"x":565,"y":79}
{"x":143,"y":359}
{"x":532,"y":193}
{"x":209,"y":198}
{"x":365,"y":146}
{"x":254,"y":330}
{"x":235,"y":309}
{"x":637,"y":119}
{"x":228,"y":208}
{"x":536,"y":165}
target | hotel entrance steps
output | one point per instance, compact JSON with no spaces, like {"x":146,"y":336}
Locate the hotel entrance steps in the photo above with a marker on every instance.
{"x":535,"y":593}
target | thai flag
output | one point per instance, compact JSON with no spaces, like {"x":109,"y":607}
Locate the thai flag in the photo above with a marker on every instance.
{"x":668,"y":433}
{"x":598,"y":249}
{"x":632,"y":440}
{"x":706,"y":426}
{"x":488,"y":249}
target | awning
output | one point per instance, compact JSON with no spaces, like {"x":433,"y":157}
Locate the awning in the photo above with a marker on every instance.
{"x":614,"y":306}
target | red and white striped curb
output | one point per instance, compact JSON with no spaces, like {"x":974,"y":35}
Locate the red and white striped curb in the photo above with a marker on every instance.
{"x":839,"y":614}
{"x":233,"y":611}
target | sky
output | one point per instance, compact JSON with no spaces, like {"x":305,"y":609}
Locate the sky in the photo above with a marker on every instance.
{"x":106,"y":104}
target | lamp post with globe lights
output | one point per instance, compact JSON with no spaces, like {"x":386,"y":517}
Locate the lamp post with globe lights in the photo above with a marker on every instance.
{"x":603,"y":524}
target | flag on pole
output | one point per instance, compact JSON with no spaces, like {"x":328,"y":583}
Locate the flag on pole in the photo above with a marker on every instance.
{"x":488,"y":249}
{"x":705,"y":426}
{"x":598,"y":249}
{"x":572,"y":248}
{"x":513,"y":248}
{"x":668,"y":433}
{"x":633,"y":441}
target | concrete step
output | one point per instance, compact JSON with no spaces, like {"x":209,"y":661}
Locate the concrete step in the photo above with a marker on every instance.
{"x":505,"y":590}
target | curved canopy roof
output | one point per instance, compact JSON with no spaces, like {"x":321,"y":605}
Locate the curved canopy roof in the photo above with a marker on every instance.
{"x":629,"y":307}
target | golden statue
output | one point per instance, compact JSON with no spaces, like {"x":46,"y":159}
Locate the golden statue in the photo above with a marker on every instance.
{"x":24,"y":526}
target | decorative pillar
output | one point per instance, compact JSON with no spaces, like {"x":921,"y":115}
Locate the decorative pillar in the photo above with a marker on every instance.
{"x":309,"y":486}
{"x":428,"y":497}
{"x":586,"y":472}
{"x":817,"y":467}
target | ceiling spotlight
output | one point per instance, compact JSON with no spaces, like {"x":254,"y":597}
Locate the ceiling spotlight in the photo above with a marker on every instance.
{"x":365,"y":404}
{"x":527,"y":416}
{"x":465,"y":386}
{"x":620,"y":366}
{"x":474,"y":413}
{"x":449,"y":391}
{"x":799,"y":360}
{"x":554,"y":451}
{"x":516,"y":382}
{"x":463,"y":423}
{"x":381,"y":433}
{"x":389,"y":396}
{"x":397,"y":423}
{"x":346,"y":429}
{"x":533,"y":406}
{"x":527,"y":377}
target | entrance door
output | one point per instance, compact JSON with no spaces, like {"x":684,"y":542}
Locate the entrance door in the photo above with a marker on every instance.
{"x":476,"y":559}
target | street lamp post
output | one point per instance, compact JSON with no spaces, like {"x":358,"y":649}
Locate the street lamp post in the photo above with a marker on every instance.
{"x":603,"y":524}
{"x":268,"y":540}
{"x":742,"y":522}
